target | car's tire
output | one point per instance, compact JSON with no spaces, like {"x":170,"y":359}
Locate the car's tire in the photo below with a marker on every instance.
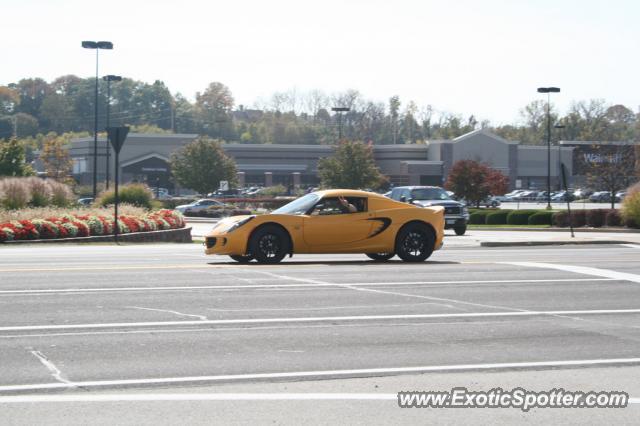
{"x":460,"y":230}
{"x":380,"y":257}
{"x":415,"y":242}
{"x":242,"y":258}
{"x":269,"y":244}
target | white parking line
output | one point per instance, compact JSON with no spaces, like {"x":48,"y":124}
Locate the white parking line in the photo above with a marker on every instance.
{"x":585,"y":270}
{"x":519,"y":313}
{"x":316,"y":284}
{"x":324,"y":373}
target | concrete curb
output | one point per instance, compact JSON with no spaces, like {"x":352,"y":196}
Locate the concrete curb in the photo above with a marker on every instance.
{"x":181,"y":235}
{"x":566,"y":230}
{"x":549,"y":243}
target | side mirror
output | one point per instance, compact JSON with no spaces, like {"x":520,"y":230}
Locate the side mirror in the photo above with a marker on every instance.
{"x":403,"y":199}
{"x":410,"y":201}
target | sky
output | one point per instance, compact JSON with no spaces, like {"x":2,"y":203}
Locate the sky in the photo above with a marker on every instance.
{"x":482,"y":57}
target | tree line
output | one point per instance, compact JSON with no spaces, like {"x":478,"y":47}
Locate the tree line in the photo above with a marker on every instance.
{"x":33,"y":106}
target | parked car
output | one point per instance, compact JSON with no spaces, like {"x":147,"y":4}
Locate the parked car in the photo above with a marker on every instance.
{"x":562,"y":196}
{"x":332,"y":221}
{"x":456,"y":213}
{"x":199,"y":205}
{"x":87,"y":201}
{"x":605,"y":197}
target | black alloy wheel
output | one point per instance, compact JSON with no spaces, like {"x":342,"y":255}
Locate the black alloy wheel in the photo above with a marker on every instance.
{"x":415,"y":243}
{"x":269,"y":244}
{"x":380,"y":257}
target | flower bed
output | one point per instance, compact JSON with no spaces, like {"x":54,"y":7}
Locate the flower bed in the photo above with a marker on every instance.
{"x":78,"y":225}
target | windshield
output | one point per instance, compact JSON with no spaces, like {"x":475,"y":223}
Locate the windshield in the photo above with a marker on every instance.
{"x":430,"y":194}
{"x":299,"y":206}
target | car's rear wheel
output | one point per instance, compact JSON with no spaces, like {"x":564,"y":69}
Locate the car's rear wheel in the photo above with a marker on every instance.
{"x":380,"y":257}
{"x":241,"y":258}
{"x":460,"y":230}
{"x":415,"y":242}
{"x":269,"y":244}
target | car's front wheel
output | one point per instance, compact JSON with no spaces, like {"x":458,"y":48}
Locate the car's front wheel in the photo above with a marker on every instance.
{"x":241,"y":258}
{"x":269,"y":244}
{"x":380,"y":257}
{"x":460,"y":230}
{"x":415,"y":242}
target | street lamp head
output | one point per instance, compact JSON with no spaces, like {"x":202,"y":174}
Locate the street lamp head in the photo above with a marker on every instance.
{"x":340,"y":109}
{"x":97,"y":45}
{"x":111,"y":77}
{"x":548,"y":89}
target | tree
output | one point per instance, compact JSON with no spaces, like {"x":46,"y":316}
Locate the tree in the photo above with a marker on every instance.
{"x":351,"y":167}
{"x":12,"y":159}
{"x":201,"y":165}
{"x":55,"y":157}
{"x":611,"y":168}
{"x":475,"y":181}
{"x":213,"y":107}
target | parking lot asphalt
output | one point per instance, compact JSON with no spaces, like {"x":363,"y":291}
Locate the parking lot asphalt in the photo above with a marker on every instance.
{"x":165,"y":317}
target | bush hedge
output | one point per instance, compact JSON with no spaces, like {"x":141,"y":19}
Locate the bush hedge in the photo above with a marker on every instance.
{"x":613,"y":218}
{"x":596,"y":218}
{"x":478,"y":217}
{"x":71,"y":225}
{"x":136,"y":194}
{"x":631,"y":207}
{"x":520,"y":217}
{"x":498,"y":217}
{"x":544,"y":217}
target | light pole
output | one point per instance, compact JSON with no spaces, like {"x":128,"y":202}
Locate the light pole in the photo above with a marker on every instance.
{"x":548,"y":91}
{"x":340,"y":110}
{"x":97,"y":45}
{"x":559,"y":127}
{"x":109,"y":78}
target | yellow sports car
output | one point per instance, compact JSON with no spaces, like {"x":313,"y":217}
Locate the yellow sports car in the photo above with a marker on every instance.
{"x":332,"y":221}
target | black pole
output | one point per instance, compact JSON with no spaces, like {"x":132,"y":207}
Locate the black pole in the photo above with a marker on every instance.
{"x":339,"y":126}
{"x":108,"y":147}
{"x":115,"y":219}
{"x":95,"y":136}
{"x":548,"y":151}
{"x":566,"y":191}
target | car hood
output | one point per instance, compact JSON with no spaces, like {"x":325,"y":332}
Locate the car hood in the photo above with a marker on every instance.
{"x":183,"y":206}
{"x":224,"y":224}
{"x":443,"y":203}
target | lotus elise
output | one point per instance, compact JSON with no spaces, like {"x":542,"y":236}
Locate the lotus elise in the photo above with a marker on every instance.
{"x":332,"y":221}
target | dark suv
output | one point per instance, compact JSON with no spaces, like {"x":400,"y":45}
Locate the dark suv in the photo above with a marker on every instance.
{"x":456,"y":214}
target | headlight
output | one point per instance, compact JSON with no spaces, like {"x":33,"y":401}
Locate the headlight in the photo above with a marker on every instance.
{"x":239,"y":224}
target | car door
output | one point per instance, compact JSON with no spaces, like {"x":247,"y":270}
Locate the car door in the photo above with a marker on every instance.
{"x":329,"y":226}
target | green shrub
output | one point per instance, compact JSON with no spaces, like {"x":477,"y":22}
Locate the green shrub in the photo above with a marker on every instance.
{"x":478,"y":217}
{"x":543,"y":217}
{"x":273,"y":191}
{"x":613,"y":218}
{"x":498,"y":217}
{"x":135,"y":194}
{"x":596,"y":217}
{"x":61,"y":194}
{"x":520,"y":217}
{"x":631,"y":207}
